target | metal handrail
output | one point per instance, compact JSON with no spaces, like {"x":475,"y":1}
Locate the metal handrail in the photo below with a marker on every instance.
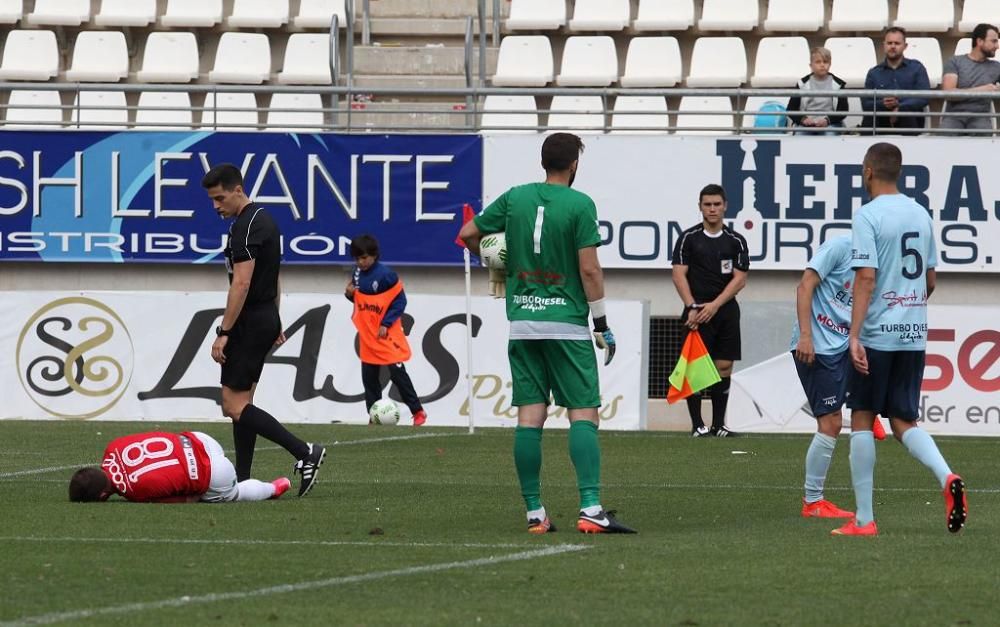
{"x":481,"y":8}
{"x":335,"y":48}
{"x":366,"y":22}
{"x":496,"y":23}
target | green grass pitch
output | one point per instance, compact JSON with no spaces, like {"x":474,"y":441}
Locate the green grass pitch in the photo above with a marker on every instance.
{"x":426,"y":527}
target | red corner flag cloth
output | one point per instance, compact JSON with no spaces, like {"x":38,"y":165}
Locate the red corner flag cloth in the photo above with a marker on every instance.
{"x":695,"y":369}
{"x":467,"y":214}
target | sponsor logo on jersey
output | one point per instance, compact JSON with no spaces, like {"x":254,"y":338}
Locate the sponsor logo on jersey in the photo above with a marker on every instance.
{"x":75,"y":357}
{"x":892,"y":299}
{"x":538,"y":303}
{"x":370,"y":307}
{"x":827,"y":322}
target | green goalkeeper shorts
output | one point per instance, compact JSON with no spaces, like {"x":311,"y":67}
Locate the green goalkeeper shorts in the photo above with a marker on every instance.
{"x":565,"y":370}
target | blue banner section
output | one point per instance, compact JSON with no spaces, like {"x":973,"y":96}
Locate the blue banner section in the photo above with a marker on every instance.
{"x":136,"y":196}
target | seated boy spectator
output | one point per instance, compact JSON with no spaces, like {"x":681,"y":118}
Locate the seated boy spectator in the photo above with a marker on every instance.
{"x":813,"y":113}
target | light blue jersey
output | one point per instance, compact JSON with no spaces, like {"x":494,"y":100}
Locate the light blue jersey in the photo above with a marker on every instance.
{"x":831,"y":301}
{"x":893,"y":234}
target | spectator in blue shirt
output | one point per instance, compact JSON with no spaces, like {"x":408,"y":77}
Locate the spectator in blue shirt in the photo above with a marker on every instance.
{"x":895,"y":72}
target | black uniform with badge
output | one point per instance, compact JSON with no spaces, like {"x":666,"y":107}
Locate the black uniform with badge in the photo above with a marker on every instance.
{"x":253,"y":235}
{"x":711,"y":259}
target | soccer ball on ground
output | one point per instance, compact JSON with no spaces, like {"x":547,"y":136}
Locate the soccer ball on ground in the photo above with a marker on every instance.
{"x":493,"y":251}
{"x":384,"y":412}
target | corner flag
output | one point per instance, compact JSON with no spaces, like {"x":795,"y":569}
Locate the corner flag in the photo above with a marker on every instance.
{"x":695,"y":369}
{"x":467,"y":214}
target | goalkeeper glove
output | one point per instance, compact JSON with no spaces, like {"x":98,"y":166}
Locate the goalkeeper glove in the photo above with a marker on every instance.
{"x":498,"y":283}
{"x":604,"y":338}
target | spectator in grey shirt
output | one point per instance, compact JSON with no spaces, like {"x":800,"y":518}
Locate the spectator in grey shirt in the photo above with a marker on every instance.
{"x":976,"y":71}
{"x":814,"y":114}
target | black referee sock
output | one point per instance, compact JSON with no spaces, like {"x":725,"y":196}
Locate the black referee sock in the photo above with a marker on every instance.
{"x":720,"y":398}
{"x":262,"y":423}
{"x":244,"y":440}
{"x":694,"y":408}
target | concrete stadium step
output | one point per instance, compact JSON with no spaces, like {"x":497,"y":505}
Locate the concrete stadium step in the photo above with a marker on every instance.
{"x":430,"y":8}
{"x":423,"y":81}
{"x":388,"y":116}
{"x":422,"y":27}
{"x":425,"y":60}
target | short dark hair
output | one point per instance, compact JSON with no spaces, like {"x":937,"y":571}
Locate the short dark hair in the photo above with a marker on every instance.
{"x":225,"y":174}
{"x":364,"y":245}
{"x":894,"y":29}
{"x":981,"y":31}
{"x":560,"y":150}
{"x":885,"y":161}
{"x":88,"y":485}
{"x":711,"y":190}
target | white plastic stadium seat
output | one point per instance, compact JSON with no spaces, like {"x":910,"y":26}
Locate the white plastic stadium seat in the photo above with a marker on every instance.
{"x":577,"y":112}
{"x":59,"y":12}
{"x":221,"y":113}
{"x":126,"y":13}
{"x":660,"y":15}
{"x":978,"y":12}
{"x":852,"y":57}
{"x":729,"y":15}
{"x":99,"y":56}
{"x":589,"y":62}
{"x":318,"y":13}
{"x":510,"y":112}
{"x":752,"y":107}
{"x":927,"y":51}
{"x":859,"y":15}
{"x":100,"y":110}
{"x":308,"y":120}
{"x":604,"y":15}
{"x":22,"y":114}
{"x":307,"y":60}
{"x":169,"y":58}
{"x":927,"y":16}
{"x":258,"y":14}
{"x":524,"y":60}
{"x":157,"y":109}
{"x":192,"y":13}
{"x":794,"y":15}
{"x":30,"y":55}
{"x":242,"y":58}
{"x":963,"y":46}
{"x":11,"y":11}
{"x":652,"y":62}
{"x":690,"y":123}
{"x":781,"y":62}
{"x":536,"y":15}
{"x":646,"y":112}
{"x":718,"y":62}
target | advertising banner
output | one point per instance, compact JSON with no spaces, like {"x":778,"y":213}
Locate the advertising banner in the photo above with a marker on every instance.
{"x":787,"y":195}
{"x":136,"y":196}
{"x":958,"y":395}
{"x":147,"y":356}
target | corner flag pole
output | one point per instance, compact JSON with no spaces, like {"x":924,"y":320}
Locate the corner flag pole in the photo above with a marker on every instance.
{"x":468,"y":339}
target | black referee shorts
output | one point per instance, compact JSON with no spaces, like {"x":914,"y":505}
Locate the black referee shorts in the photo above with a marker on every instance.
{"x":722,"y":333}
{"x":250,"y":341}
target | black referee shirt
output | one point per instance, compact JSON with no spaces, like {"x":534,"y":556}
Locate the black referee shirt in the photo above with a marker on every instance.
{"x":254,"y":235}
{"x":710,"y":260}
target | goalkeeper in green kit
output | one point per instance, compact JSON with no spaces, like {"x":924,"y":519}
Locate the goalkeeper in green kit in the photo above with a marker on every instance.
{"x":554,"y":284}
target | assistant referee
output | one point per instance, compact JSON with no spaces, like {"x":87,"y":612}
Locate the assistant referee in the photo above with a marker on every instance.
{"x":251,"y":325}
{"x":710,"y":265}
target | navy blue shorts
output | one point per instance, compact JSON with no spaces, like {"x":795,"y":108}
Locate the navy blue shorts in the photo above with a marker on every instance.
{"x":825,"y":381}
{"x":892,"y":386}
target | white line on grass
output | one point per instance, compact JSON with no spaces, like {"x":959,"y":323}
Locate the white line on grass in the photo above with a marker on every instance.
{"x":230,"y":541}
{"x":395,"y":438}
{"x":128,"y":608}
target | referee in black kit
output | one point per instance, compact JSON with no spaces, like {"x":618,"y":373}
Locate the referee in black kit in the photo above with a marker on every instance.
{"x":710,"y":265}
{"x":251,"y":325}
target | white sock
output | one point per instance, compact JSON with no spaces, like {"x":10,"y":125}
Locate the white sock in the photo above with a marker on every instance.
{"x":593,"y":510}
{"x":254,"y":490}
{"x":537,"y":514}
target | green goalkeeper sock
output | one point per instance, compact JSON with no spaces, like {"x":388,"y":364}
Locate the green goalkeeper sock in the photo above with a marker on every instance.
{"x":585,"y":451}
{"x":528,"y":462}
